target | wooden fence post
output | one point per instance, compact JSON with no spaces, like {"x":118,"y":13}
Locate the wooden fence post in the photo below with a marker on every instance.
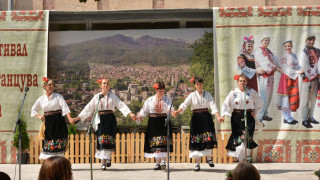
{"x":129,"y":149}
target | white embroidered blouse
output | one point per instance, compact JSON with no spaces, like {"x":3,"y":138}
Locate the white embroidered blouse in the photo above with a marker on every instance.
{"x":109,"y":102}
{"x":235,"y":100}
{"x":155,"y":105}
{"x":53,"y":103}
{"x":199,"y":101}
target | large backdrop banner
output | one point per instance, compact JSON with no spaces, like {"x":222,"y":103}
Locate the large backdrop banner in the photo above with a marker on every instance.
{"x":277,"y":48}
{"x":23,"y":63}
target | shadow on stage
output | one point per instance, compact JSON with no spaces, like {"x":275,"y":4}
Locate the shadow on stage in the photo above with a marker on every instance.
{"x":275,"y":171}
{"x":150,"y":169}
{"x":282,"y":171}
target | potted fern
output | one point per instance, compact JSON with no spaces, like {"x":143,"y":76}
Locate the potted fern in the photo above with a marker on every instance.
{"x":24,"y":141}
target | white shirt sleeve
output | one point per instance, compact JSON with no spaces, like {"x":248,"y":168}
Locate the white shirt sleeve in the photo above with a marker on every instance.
{"x":64,"y":107}
{"x":122,"y":107}
{"x":309,"y":72}
{"x":145,"y":109}
{"x":187,"y":102}
{"x":35,"y":108}
{"x":212,"y":104}
{"x":249,"y":72}
{"x":263,"y":62}
{"x":89,"y":108}
{"x":227,"y":106}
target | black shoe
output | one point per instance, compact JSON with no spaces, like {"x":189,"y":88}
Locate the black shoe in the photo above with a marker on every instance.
{"x":103,"y":167}
{"x":313,"y":121}
{"x":197,"y":168}
{"x":157,"y":167}
{"x":266,"y":118}
{"x":163,"y":165}
{"x":292,"y":122}
{"x":307,"y":124}
{"x":109,"y":164}
{"x":210,"y":163}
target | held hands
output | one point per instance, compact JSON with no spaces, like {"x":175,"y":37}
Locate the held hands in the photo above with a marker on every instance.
{"x":279,"y":69}
{"x":260,"y":71}
{"x":174,"y":113}
{"x":253,"y":114}
{"x":138,"y":119}
{"x":133,"y":116}
{"x":221,"y":119}
{"x":75,"y":120}
{"x":177,"y":112}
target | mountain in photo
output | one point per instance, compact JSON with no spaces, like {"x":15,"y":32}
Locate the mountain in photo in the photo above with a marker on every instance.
{"x":121,"y":50}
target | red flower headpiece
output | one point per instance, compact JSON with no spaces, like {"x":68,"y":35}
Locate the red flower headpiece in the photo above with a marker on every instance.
{"x":236,"y":77}
{"x":99,"y":81}
{"x":191,"y":80}
{"x":156,"y":86}
{"x":45,"y":80}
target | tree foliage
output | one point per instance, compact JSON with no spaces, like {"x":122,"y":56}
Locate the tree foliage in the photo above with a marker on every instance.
{"x":202,"y":60}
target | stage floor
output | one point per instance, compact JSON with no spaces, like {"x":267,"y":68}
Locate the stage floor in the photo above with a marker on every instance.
{"x":143,"y":171}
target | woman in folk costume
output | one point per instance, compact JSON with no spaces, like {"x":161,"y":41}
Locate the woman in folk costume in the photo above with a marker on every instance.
{"x":288,"y":85}
{"x":246,"y":62}
{"x":105,"y":123}
{"x":237,"y":101}
{"x":158,"y":107}
{"x":202,"y":131}
{"x":55,"y":128}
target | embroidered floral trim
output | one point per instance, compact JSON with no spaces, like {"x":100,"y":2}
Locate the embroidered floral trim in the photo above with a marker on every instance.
{"x":159,"y":141}
{"x":55,"y":145}
{"x":105,"y":139}
{"x":203,"y":138}
{"x":240,"y":139}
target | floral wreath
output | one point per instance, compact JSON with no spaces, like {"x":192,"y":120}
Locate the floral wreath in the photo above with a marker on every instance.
{"x":156,"y":86}
{"x":236,"y":77}
{"x":99,"y":81}
{"x":45,"y":80}
{"x":248,"y":39}
{"x":192,"y":80}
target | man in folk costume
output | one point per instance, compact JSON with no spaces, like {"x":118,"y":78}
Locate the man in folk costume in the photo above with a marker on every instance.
{"x":246,"y":62}
{"x":268,"y":62}
{"x":310,"y":81}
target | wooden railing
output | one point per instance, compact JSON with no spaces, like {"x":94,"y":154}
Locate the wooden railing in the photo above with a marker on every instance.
{"x":129,"y":149}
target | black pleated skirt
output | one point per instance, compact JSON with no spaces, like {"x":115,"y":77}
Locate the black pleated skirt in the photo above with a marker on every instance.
{"x":238,"y":128}
{"x":202,"y":132}
{"x":106,"y":133}
{"x":156,"y":135}
{"x":56,"y":134}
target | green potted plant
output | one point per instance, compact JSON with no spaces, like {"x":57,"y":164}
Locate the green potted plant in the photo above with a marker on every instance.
{"x":317,"y":173}
{"x":24,"y":141}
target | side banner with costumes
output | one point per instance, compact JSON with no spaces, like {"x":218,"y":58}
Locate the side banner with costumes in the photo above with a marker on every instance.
{"x":23,"y":63}
{"x":277,"y":49}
